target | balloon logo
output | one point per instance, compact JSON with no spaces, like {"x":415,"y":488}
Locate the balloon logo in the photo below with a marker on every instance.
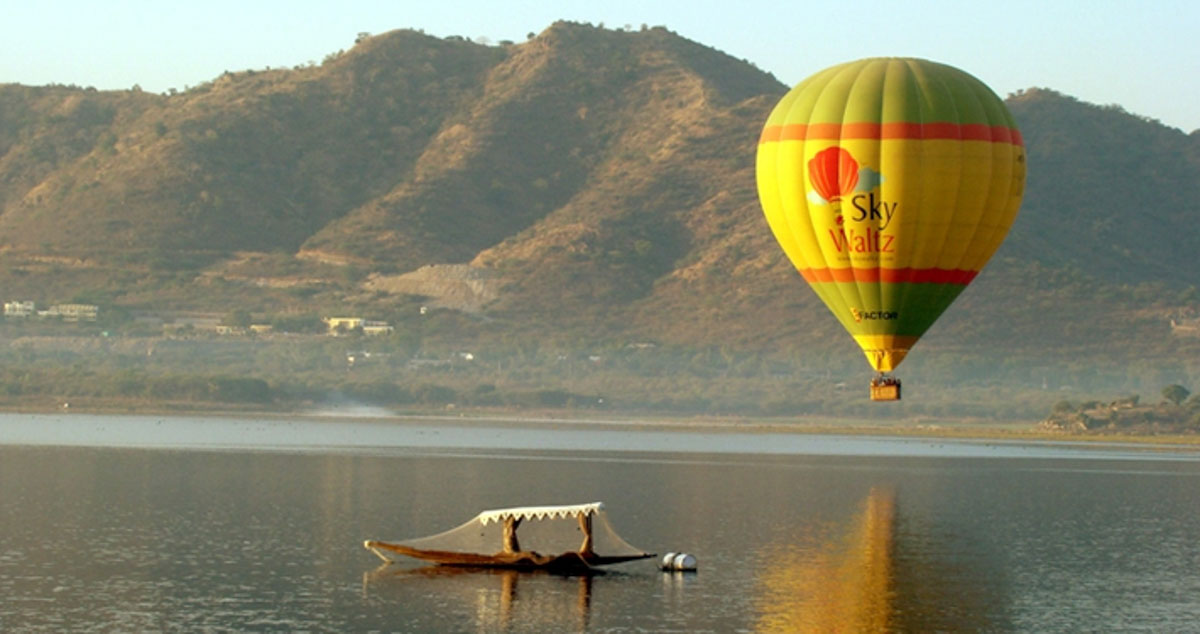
{"x":833,"y":173}
{"x":898,"y":250}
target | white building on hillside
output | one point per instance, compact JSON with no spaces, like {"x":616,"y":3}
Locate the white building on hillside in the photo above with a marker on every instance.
{"x":72,"y":312}
{"x":18,"y":309}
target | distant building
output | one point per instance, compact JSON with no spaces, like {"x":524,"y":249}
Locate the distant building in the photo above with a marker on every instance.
{"x":342,"y":324}
{"x":1179,"y":327}
{"x":18,"y":309}
{"x":339,"y":325}
{"x":72,"y":312}
{"x":377,"y":328}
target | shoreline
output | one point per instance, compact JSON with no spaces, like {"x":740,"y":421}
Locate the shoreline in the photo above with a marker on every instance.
{"x":924,"y":427}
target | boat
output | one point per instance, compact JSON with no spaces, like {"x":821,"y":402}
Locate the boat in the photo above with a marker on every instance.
{"x":576,"y":536}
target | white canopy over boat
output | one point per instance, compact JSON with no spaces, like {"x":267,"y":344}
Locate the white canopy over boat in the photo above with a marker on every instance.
{"x":540,"y":512}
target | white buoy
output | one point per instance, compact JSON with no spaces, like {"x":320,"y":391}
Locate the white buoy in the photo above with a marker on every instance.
{"x":685,"y":562}
{"x":678,"y":562}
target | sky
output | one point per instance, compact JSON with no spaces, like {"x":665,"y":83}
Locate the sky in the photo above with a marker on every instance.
{"x":1142,"y":56}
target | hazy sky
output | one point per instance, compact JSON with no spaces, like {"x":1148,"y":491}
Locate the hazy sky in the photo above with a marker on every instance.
{"x":1141,"y":55}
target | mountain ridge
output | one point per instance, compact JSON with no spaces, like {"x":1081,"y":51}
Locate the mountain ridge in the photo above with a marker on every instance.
{"x":603,"y":181}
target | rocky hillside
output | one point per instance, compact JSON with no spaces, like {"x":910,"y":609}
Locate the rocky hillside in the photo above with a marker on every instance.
{"x":586,"y":185}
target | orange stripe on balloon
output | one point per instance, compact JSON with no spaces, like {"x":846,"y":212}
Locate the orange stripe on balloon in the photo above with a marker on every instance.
{"x":892,"y":131}
{"x":892,"y":276}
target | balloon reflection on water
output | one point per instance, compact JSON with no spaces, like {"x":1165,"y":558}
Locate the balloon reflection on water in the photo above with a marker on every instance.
{"x":845,"y":584}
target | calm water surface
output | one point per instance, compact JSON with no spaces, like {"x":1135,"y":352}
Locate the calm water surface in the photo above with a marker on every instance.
{"x":143,"y":523}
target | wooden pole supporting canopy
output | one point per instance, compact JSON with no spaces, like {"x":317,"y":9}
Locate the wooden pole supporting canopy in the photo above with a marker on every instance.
{"x":511,"y":543}
{"x":585,"y":525}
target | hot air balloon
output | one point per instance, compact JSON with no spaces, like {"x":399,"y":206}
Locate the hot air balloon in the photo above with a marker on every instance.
{"x":889,"y":183}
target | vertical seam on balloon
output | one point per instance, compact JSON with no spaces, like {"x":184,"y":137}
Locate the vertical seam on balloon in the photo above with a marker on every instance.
{"x":988,"y":183}
{"x":806,"y":226}
{"x":768,"y":157}
{"x":999,"y":196}
{"x":947,"y":294}
{"x":877,"y":287}
{"x":848,"y":301}
{"x":788,"y":225}
{"x":895,"y":290}
{"x":787,"y":218}
{"x":908,"y":283}
{"x":858,"y":76}
{"x":1004,"y":194}
{"x":777,"y":150}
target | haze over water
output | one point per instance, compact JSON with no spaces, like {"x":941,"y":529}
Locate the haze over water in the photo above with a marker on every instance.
{"x":238,"y":523}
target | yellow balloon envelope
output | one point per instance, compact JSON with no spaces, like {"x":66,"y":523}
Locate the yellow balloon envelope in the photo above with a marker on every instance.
{"x":889,"y":183}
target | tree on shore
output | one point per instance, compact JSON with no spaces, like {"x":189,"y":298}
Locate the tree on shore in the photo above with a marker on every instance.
{"x":238,"y":318}
{"x":1175,"y":393}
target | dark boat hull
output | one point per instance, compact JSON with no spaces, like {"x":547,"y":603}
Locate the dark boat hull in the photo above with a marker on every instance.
{"x":520,"y":560}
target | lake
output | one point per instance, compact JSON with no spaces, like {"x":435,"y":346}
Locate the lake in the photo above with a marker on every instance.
{"x":123,"y":523}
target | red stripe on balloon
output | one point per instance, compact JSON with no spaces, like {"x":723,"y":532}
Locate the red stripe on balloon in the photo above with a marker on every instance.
{"x":896,"y":130}
{"x":892,"y":276}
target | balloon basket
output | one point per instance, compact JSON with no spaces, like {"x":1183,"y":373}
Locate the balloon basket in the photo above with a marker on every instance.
{"x":885,"y":388}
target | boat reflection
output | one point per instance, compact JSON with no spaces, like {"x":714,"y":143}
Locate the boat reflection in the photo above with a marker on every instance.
{"x":499,"y":597}
{"x":841,"y":581}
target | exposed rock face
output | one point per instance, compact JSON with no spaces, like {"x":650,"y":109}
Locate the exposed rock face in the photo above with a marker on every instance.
{"x":458,"y":286}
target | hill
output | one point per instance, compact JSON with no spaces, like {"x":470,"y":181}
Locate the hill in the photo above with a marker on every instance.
{"x":585,"y":188}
